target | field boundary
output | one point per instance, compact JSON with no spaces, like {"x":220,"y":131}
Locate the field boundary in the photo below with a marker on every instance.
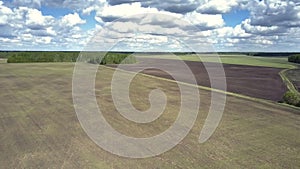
{"x":287,"y":81}
{"x":264,"y":101}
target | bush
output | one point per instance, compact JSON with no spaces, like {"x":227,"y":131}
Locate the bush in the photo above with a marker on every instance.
{"x":294,"y":58}
{"x":292,"y":98}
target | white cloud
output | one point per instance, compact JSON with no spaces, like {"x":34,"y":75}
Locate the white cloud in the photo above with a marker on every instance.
{"x":230,"y":40}
{"x":217,"y":6}
{"x":27,"y":3}
{"x":34,"y":30}
{"x":27,"y":37}
{"x":205,"y":21}
{"x":273,"y":24}
{"x":50,"y":31}
{"x":5,"y":10}
{"x":10,"y":40}
{"x":146,"y":39}
{"x":72,"y":20}
{"x":89,"y":9}
{"x":261,"y":30}
{"x":275,"y":13}
{"x":76,"y":36}
{"x":238,"y":31}
{"x":262,"y":41}
{"x":35,"y":19}
{"x":174,"y":6}
{"x":109,"y":13}
{"x":43,"y":40}
{"x":5,"y":13}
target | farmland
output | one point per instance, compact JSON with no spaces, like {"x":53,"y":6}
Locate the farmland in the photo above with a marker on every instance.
{"x":39,"y":127}
{"x":130,"y":84}
{"x":236,"y":59}
{"x":288,"y":73}
{"x":294,"y":77}
{"x":254,"y":81}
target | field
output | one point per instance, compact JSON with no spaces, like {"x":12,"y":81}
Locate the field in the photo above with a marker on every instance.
{"x":253,"y":81}
{"x":237,"y":59}
{"x":3,"y":61}
{"x":39,"y":127}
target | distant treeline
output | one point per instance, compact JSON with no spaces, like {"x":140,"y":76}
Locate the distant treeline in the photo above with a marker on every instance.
{"x":29,"y":57}
{"x":294,"y":58}
{"x":4,"y":54}
{"x":91,"y":57}
{"x":268,"y":54}
{"x":111,"y":58}
{"x":262,"y":54}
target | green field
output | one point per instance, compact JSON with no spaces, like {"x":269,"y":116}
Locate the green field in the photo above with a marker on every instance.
{"x":39,"y":127}
{"x":277,"y":62}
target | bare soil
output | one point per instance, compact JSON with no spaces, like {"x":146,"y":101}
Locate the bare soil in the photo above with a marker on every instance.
{"x":254,"y":81}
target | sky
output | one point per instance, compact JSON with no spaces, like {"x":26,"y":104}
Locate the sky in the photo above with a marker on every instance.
{"x":151,"y":25}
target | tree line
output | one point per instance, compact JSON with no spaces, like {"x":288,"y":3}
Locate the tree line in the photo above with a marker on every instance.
{"x":91,"y":57}
{"x":111,"y":58}
{"x":30,"y":57}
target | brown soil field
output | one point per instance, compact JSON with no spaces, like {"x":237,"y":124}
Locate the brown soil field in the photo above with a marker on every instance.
{"x":253,"y":81}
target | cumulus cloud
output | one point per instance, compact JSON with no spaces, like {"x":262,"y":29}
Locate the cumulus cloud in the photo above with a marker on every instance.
{"x":152,"y":31}
{"x":43,"y":40}
{"x":5,"y":13}
{"x":34,"y":30}
{"x":110,"y":13}
{"x":271,"y":24}
{"x":275,"y":13}
{"x":163,"y":18}
{"x":43,"y":32}
{"x":27,"y":3}
{"x":205,"y":21}
{"x":77,"y":5}
{"x":217,"y":6}
{"x":261,"y":30}
{"x":35,"y":19}
{"x":72,"y":20}
{"x":175,"y":6}
{"x":268,"y":27}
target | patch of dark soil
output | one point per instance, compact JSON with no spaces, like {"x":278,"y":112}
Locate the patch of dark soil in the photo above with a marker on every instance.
{"x":254,"y":81}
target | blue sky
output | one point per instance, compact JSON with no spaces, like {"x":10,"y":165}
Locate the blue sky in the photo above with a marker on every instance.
{"x":235,"y":17}
{"x":218,"y":25}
